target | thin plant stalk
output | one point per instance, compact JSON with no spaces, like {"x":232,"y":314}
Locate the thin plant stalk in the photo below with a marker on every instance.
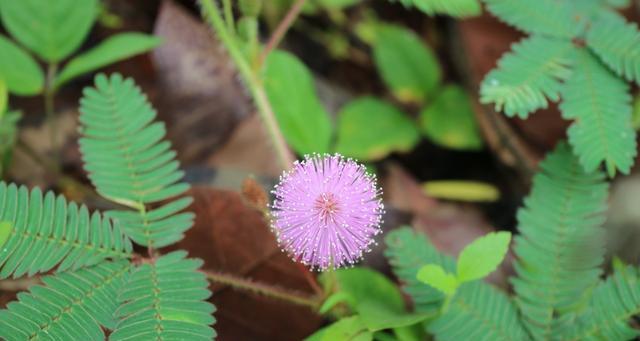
{"x":281,"y":30}
{"x":251,"y":80}
{"x":49,"y":107}
{"x":263,"y":289}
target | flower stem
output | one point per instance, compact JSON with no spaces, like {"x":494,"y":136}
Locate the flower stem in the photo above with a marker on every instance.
{"x":251,"y":79}
{"x":281,"y":30}
{"x":263,"y":289}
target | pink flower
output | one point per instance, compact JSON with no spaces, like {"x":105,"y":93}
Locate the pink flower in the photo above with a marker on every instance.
{"x":326,"y":211}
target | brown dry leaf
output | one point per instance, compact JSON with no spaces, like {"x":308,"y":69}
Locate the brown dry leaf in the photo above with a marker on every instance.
{"x":200,"y":94}
{"x":248,"y":149}
{"x":233,"y":238}
{"x":255,"y":194}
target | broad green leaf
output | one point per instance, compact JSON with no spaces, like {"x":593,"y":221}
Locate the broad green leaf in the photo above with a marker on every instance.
{"x":5,"y":232}
{"x":461,"y":190}
{"x":53,"y":29}
{"x":482,"y":256}
{"x":291,"y":90}
{"x":116,"y":48}
{"x":19,"y":70}
{"x":347,"y":329}
{"x":363,"y":284}
{"x":456,"y":8}
{"x":376,"y":317}
{"x":450,"y":121}
{"x":408,"y":67}
{"x":370,"y":129}
{"x":334,"y":300}
{"x":437,"y":277}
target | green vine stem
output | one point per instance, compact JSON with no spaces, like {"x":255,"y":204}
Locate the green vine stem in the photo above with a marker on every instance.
{"x":263,"y":289}
{"x":251,"y":77}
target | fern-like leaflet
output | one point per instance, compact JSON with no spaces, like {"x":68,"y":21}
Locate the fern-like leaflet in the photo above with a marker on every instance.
{"x":529,"y":76}
{"x":46,"y":231}
{"x":129,"y":163}
{"x":165,"y":301}
{"x":552,"y":18}
{"x":600,"y":104}
{"x":74,"y":305}
{"x":561,"y":219}
{"x":617,"y":43}
{"x":615,"y":301}
{"x":408,"y":251}
{"x":477,"y":311}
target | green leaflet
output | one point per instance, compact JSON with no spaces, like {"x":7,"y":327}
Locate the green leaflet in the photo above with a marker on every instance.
{"x":291,"y":90}
{"x":408,"y":66}
{"x":560,"y":219}
{"x":529,"y":76}
{"x":370,"y":129}
{"x":165,"y":301}
{"x":19,"y":70}
{"x":548,"y":17}
{"x":51,"y":29}
{"x":113,"y":49}
{"x":69,"y":306}
{"x":130,"y":163}
{"x":46,"y":232}
{"x":600,"y":104}
{"x":617,"y":43}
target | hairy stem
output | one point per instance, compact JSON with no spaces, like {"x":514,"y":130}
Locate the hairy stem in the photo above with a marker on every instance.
{"x":228,"y":16}
{"x":281,"y":30}
{"x":251,"y":80}
{"x":263,"y":289}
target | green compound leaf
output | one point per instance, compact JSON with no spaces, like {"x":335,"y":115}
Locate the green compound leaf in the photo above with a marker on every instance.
{"x":69,"y":306}
{"x":480,"y":258}
{"x":548,"y":17}
{"x":600,"y":104}
{"x":51,"y":29}
{"x":130,"y":163}
{"x":479,"y":311}
{"x":617,"y":43}
{"x":528,"y":76}
{"x":370,"y":129}
{"x":450,"y":121}
{"x":291,"y":90}
{"x":614,"y":303}
{"x":408,"y":67}
{"x":476,"y":312}
{"x":48,"y":232}
{"x":113,"y":49}
{"x":19,"y":70}
{"x":408,"y":251}
{"x":165,"y":300}
{"x":560,"y":220}
{"x":435,"y":276}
